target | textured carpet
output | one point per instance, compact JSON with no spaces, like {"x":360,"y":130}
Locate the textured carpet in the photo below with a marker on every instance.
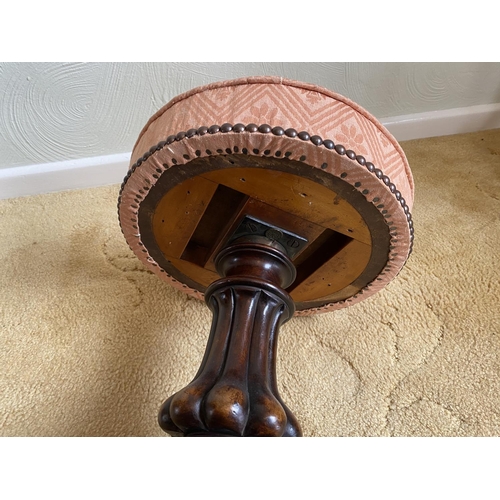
{"x":91,"y":344}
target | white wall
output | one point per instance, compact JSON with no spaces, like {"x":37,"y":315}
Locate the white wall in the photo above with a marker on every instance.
{"x":61,"y":111}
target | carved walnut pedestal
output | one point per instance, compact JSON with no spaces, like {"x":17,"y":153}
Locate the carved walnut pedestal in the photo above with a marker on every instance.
{"x":235,"y":391}
{"x":267,"y":198}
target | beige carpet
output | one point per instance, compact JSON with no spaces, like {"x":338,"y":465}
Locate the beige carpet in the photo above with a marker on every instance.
{"x":91,"y":344}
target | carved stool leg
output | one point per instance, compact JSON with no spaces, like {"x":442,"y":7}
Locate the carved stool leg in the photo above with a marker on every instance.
{"x":235,"y":392}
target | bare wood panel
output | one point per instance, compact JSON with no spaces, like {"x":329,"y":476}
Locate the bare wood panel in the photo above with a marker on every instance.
{"x":340,"y":271}
{"x":293,"y":203}
{"x":343,"y":294}
{"x":318,"y":252}
{"x":203,"y":276}
{"x":232,"y":221}
{"x":279,"y":192}
{"x":296,"y":195}
{"x":223,"y":208}
{"x":179,"y":212}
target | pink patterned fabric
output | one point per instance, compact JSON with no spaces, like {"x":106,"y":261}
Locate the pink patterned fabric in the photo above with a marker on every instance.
{"x":285,"y":103}
{"x":288,"y":104}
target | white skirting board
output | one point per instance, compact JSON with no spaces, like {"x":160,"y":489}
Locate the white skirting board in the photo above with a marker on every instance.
{"x":111,"y":169}
{"x":444,"y":122}
{"x":63,"y":175}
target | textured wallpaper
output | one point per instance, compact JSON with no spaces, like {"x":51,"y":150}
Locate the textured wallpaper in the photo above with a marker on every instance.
{"x":59,"y":111}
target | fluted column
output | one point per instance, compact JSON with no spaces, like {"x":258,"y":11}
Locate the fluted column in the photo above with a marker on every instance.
{"x":235,"y":392}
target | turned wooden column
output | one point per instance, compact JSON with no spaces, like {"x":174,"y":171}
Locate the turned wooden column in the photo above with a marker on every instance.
{"x":235,"y":392}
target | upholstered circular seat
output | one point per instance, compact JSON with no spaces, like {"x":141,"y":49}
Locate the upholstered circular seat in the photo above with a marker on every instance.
{"x":277,"y":152}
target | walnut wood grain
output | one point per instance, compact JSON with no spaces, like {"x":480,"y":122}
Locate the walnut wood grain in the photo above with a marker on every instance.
{"x":235,"y":391}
